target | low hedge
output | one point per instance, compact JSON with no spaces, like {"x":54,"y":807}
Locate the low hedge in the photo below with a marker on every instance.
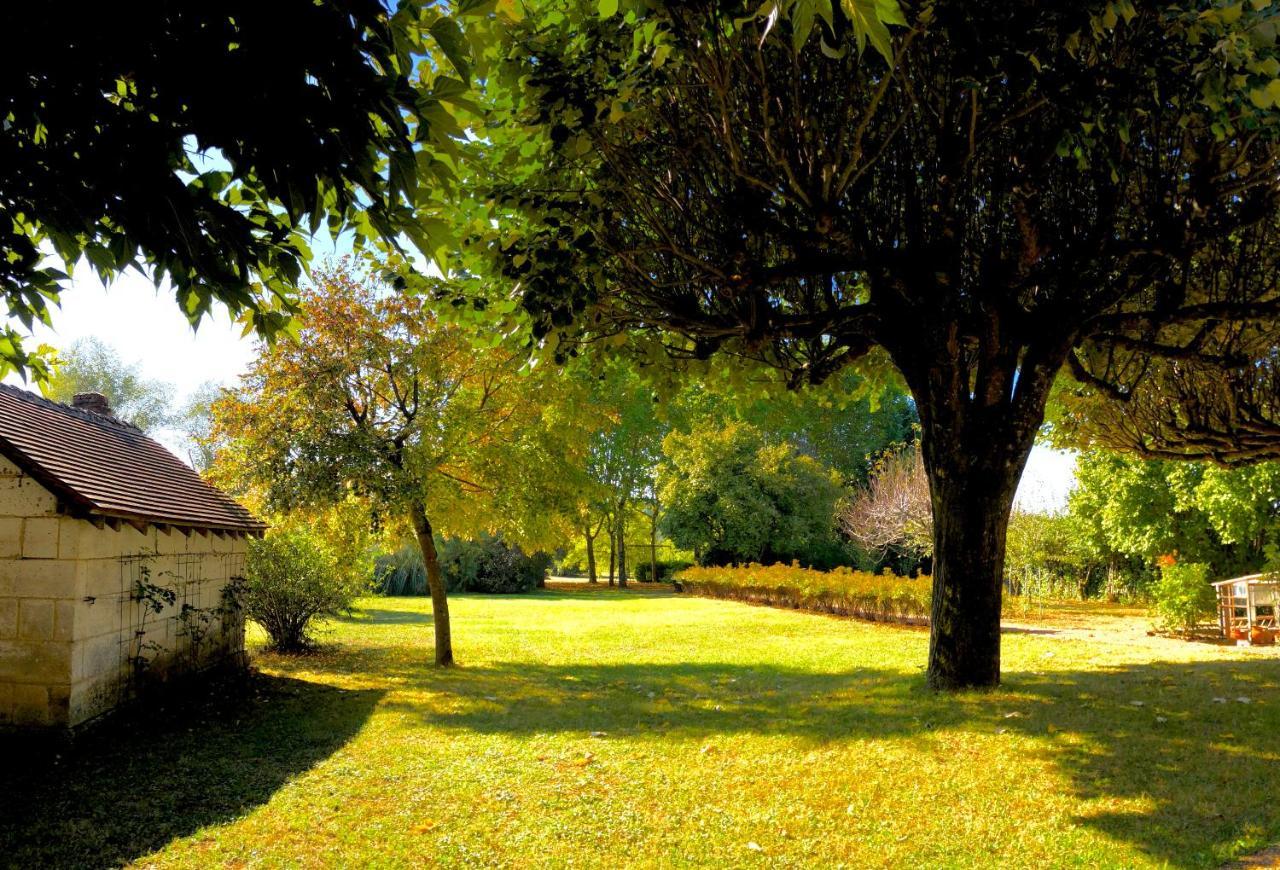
{"x":843,"y":591}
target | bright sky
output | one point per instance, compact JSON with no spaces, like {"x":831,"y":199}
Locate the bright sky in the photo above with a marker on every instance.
{"x":146,"y":327}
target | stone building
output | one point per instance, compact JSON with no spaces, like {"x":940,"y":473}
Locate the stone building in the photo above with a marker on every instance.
{"x":117,"y":563}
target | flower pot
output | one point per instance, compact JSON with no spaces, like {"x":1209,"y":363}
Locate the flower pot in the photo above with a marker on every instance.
{"x":1239,"y":634}
{"x":1260,"y":636}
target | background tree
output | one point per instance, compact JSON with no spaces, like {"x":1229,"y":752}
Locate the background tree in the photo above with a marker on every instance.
{"x":892,"y":514}
{"x":995,"y":193}
{"x":731,"y":496}
{"x":381,"y":398}
{"x":844,"y":423}
{"x":201,"y":142}
{"x":623,"y":453}
{"x":89,"y":365}
{"x":1130,"y":511}
{"x":195,"y":421}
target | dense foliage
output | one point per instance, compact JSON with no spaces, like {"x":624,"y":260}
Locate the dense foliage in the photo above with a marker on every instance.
{"x":1130,"y":512}
{"x":488,"y":564}
{"x":290,"y":580}
{"x":1183,"y":596}
{"x":203,"y":143}
{"x":731,"y":495}
{"x":381,"y":397}
{"x":666,"y":570}
{"x":89,"y":365}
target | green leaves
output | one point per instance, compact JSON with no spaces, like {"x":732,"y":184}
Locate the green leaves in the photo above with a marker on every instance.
{"x":228,"y":226}
{"x":608,"y":8}
{"x":869,"y":19}
{"x":449,"y":36}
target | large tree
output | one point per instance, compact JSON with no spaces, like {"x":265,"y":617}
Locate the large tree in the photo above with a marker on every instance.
{"x":983,"y":194}
{"x":201,"y":142}
{"x":380,"y":398}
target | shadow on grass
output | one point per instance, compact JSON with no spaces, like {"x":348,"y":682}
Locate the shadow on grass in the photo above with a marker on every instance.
{"x":380,"y":616}
{"x":133,"y":784}
{"x":1197,"y":769}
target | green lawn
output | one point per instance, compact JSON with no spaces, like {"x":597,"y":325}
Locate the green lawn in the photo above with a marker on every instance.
{"x":607,"y":729}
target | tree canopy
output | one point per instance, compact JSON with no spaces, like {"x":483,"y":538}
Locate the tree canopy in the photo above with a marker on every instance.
{"x":983,"y":196}
{"x":732,"y":496}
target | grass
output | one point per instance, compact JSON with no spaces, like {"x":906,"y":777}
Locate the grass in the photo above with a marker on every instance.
{"x":599,"y":728}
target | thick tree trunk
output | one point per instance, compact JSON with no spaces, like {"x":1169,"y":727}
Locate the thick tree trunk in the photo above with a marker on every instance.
{"x":980,"y":406}
{"x":978,"y":421}
{"x":435,"y":582}
{"x":970,"y":519}
{"x":591,"y":556}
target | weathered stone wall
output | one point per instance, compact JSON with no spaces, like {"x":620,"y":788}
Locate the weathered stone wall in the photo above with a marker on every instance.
{"x":91,"y":616}
{"x":151,"y":607}
{"x":37,"y":605}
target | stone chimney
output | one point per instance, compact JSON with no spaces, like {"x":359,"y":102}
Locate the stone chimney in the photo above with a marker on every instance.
{"x":94,"y":403}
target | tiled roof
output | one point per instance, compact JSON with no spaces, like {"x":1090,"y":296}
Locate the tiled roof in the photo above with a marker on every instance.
{"x":100,"y":466}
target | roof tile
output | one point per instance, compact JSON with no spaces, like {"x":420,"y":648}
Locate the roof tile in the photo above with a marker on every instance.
{"x":102,"y":466}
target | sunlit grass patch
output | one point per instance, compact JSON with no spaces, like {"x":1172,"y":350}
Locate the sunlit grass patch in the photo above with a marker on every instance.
{"x":618,"y":729}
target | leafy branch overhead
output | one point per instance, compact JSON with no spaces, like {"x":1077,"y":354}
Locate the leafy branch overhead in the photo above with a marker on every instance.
{"x":204,"y":144}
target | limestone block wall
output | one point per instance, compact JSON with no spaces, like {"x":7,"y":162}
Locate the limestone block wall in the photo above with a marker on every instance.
{"x":152,"y":606}
{"x":37,"y":605}
{"x":92,"y":615}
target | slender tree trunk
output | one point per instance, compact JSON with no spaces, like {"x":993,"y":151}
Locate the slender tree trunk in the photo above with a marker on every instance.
{"x":435,"y":582}
{"x":622,"y":544}
{"x":591,"y":555}
{"x":613,"y":548}
{"x":653,"y":543}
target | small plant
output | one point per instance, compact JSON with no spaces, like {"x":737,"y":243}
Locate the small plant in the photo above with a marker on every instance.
{"x":153,"y":599}
{"x":1182,"y":597}
{"x":290,"y":581}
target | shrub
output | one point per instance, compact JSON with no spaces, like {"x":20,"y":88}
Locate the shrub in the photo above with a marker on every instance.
{"x":1182,"y":596}
{"x":489,"y":565}
{"x":665,"y":570}
{"x":400,"y":573}
{"x":290,"y":580}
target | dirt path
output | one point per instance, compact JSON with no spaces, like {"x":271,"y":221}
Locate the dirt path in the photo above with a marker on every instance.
{"x":1111,"y":624}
